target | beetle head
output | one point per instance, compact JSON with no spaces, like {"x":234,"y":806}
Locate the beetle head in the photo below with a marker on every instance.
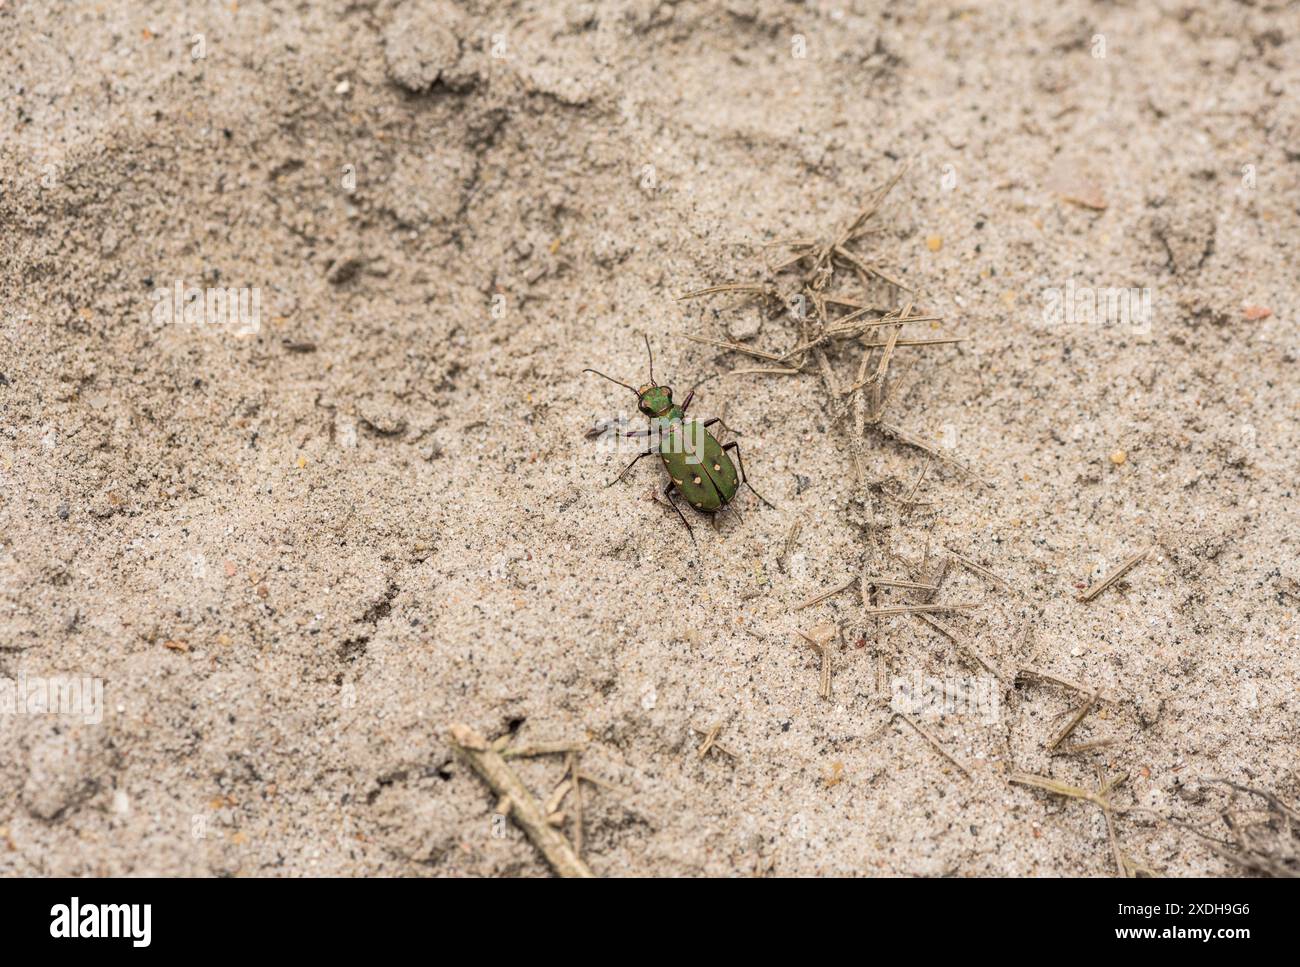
{"x":655,"y":400}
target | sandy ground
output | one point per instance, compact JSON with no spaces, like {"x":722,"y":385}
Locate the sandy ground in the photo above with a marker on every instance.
{"x":293,"y":553}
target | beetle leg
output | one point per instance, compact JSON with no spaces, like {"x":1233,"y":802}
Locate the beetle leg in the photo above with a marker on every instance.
{"x":629,"y":467}
{"x":668,"y":492}
{"x":718,"y":419}
{"x":601,"y":427}
{"x":734,"y":445}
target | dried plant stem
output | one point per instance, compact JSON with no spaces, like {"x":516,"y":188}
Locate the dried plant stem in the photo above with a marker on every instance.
{"x":523,"y":808}
{"x":919,"y":609}
{"x":711,"y":743}
{"x":890,"y":583}
{"x":898,"y":433}
{"x":576,"y":778}
{"x":820,"y":638}
{"x":1114,"y":576}
{"x":964,"y":645}
{"x":935,"y":743}
{"x":830,"y":592}
{"x":790,"y":540}
{"x":541,"y":748}
{"x":1100,"y":799}
{"x":1073,"y":724}
{"x":979,"y":569}
{"x":1032,"y":674}
{"x":737,"y":348}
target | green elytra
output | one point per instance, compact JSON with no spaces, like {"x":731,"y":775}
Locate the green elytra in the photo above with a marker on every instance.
{"x":699,"y":467}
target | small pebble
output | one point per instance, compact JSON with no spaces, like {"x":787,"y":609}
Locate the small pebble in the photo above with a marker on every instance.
{"x":934,"y":243}
{"x":1118,"y":457}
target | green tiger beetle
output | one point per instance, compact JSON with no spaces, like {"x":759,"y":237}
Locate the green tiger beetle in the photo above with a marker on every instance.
{"x":699,"y":466}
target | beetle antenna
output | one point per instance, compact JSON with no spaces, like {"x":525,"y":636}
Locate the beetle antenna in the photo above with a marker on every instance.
{"x":646,"y":337}
{"x":612,"y":380}
{"x":703,"y":381}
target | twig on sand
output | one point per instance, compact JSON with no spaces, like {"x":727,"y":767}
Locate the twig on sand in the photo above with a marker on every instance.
{"x":539,"y":749}
{"x":935,"y":743}
{"x":1081,"y":747}
{"x":918,"y":609}
{"x":761,"y":287}
{"x":572,"y":762}
{"x":1073,"y":724}
{"x":519,"y":802}
{"x":830,"y":592}
{"x":979,"y":569}
{"x":820,"y":638}
{"x":957,"y":639}
{"x":790,"y":540}
{"x":937,"y":341}
{"x":1267,"y":847}
{"x":711,"y":742}
{"x":1030,"y":674}
{"x":764,"y":371}
{"x":736,"y":348}
{"x":920,"y":479}
{"x":903,"y":436}
{"x":1100,"y":799}
{"x":1114,"y":576}
{"x":891,"y":583}
{"x":556,"y":798}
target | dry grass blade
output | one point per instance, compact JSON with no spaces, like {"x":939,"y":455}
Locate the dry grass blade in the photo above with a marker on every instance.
{"x":1084,"y":747}
{"x":962,"y":644}
{"x":829,"y":592}
{"x":820,"y":638}
{"x":711,"y":743}
{"x":709,"y":738}
{"x":790,"y":540}
{"x":726,"y":287}
{"x":541,"y":748}
{"x":900,"y":343}
{"x":1269,"y":846}
{"x":1029,"y":673}
{"x":1114,"y":576}
{"x":891,"y":583}
{"x":848,"y":325}
{"x":911,"y":492}
{"x":935,"y":743}
{"x":737,"y":348}
{"x":903,"y":436}
{"x":1100,"y":799}
{"x":979,"y":569}
{"x":1053,"y":786}
{"x":1073,"y":724}
{"x":919,"y":609}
